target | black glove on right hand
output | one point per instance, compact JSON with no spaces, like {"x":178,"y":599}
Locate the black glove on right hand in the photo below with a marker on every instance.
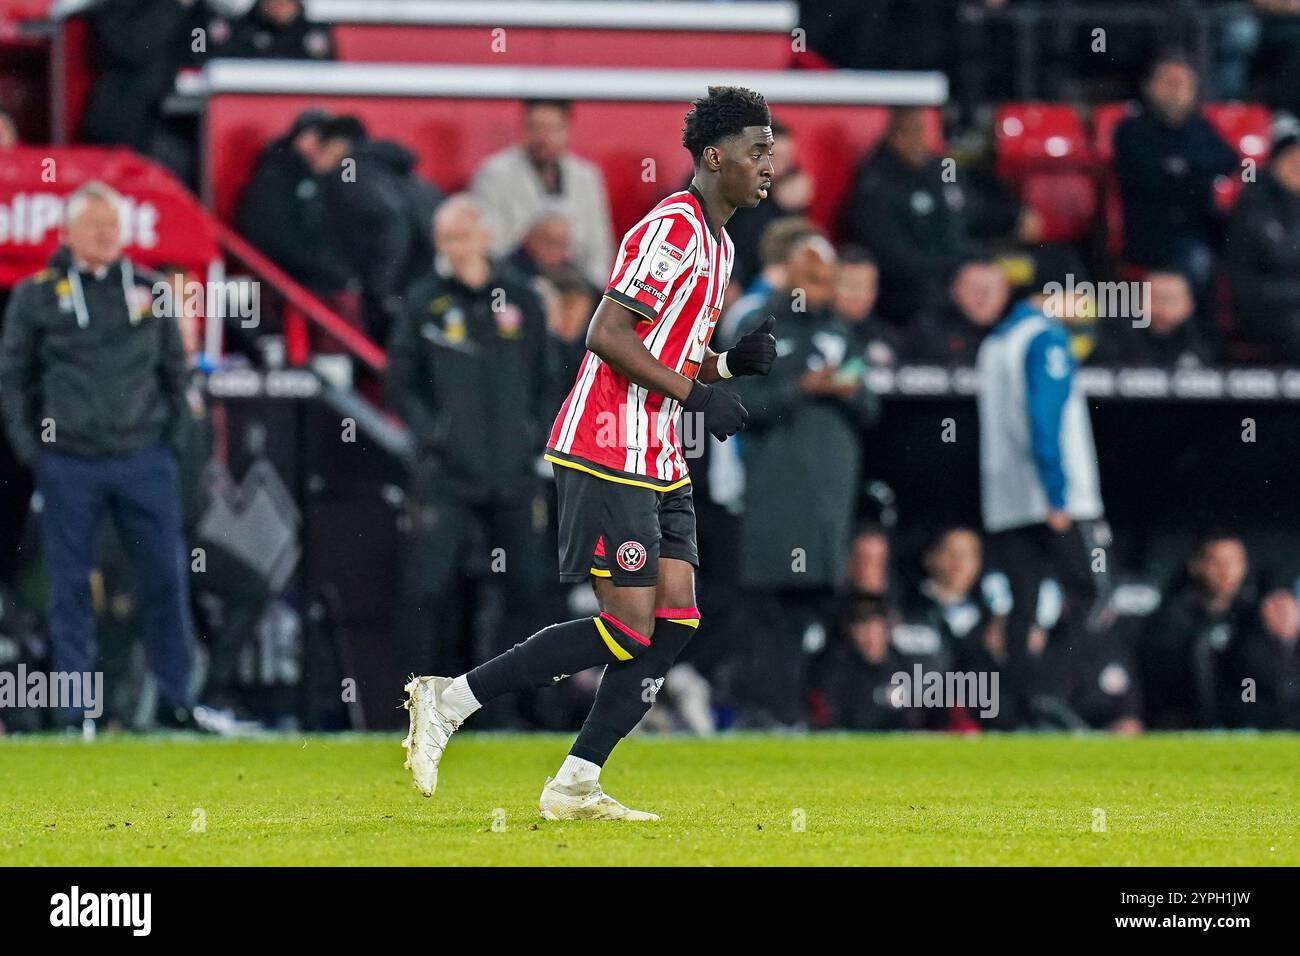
{"x":723,"y":413}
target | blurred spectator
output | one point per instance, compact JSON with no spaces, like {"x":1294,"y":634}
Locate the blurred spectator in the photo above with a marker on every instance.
{"x":468,"y":373}
{"x":1264,"y":253}
{"x":780,"y":240}
{"x":1258,"y":683}
{"x":856,"y":286}
{"x":382,"y":211}
{"x":908,"y":217}
{"x":1102,"y":681}
{"x":951,"y":335}
{"x":273,"y":30}
{"x":809,"y":409}
{"x":1198,"y":620}
{"x":511,"y":186}
{"x":93,"y":387}
{"x":547,"y":247}
{"x":138,"y":46}
{"x":791,"y":194}
{"x":8,"y":131}
{"x":1167,"y":156}
{"x":949,"y":600}
{"x":861,"y":693}
{"x":285,"y":210}
{"x":868,"y":573}
{"x":570,"y":303}
{"x":1040,"y":492}
{"x":1170,"y":339}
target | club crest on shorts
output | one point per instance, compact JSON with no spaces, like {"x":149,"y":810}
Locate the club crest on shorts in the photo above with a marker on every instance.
{"x":630,"y":556}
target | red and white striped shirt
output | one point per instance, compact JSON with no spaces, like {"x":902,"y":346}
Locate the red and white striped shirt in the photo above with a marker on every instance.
{"x":672,"y":272}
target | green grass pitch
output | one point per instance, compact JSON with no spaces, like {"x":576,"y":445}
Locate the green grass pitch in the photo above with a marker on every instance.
{"x":740,"y":800}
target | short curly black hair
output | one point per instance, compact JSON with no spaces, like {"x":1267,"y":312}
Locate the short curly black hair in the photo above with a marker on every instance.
{"x":725,"y":112}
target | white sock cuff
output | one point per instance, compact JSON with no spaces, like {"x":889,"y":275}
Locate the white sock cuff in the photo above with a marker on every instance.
{"x":460,"y":699}
{"x":576,"y":770}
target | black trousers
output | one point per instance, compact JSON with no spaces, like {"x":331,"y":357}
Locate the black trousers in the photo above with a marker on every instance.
{"x":774,"y":686}
{"x":1028,"y":556}
{"x":471,"y":576}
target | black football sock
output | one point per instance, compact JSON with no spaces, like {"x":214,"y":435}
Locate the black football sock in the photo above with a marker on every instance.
{"x":554,"y":653}
{"x":627,"y":689}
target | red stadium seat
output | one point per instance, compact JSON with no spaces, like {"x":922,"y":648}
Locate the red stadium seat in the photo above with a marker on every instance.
{"x":1247,"y":129}
{"x":1033,"y":136}
{"x":1066,"y":200}
{"x":1104,"y":120}
{"x":1245,"y":126}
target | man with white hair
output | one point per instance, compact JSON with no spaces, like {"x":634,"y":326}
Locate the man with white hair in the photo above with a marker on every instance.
{"x":92,"y":388}
{"x":469,"y":374}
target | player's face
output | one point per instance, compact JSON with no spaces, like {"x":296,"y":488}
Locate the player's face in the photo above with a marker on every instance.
{"x":745,"y":167}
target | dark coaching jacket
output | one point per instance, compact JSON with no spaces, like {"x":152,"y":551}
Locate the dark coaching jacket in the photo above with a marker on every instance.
{"x":113,"y":385}
{"x":468,"y":371}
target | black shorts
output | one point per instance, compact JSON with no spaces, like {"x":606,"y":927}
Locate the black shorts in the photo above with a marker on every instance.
{"x":619,"y":531}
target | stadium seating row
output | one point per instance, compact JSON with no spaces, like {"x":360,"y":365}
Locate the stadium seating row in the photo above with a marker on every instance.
{"x":1063,"y":170}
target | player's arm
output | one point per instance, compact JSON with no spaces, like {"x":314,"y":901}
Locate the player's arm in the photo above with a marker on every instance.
{"x":612,"y":338}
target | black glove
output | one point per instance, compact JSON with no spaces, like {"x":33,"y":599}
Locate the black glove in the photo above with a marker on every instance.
{"x":722,"y":411}
{"x":755,"y":352}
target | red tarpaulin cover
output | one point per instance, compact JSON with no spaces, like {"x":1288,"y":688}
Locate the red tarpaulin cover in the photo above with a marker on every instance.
{"x":163,"y":223}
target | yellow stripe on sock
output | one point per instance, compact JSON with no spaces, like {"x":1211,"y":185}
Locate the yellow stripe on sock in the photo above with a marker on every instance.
{"x":688,"y":621}
{"x":612,"y":644}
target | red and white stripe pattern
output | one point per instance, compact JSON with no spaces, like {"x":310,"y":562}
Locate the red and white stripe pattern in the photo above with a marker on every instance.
{"x":673,"y":273}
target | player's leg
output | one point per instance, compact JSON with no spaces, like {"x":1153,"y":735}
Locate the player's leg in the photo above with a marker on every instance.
{"x":591,"y":509}
{"x":628,"y":689}
{"x":574,"y":793}
{"x":593,"y":512}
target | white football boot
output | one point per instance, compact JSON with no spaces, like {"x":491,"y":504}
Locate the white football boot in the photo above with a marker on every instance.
{"x":431,"y":728}
{"x":585,"y":801}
